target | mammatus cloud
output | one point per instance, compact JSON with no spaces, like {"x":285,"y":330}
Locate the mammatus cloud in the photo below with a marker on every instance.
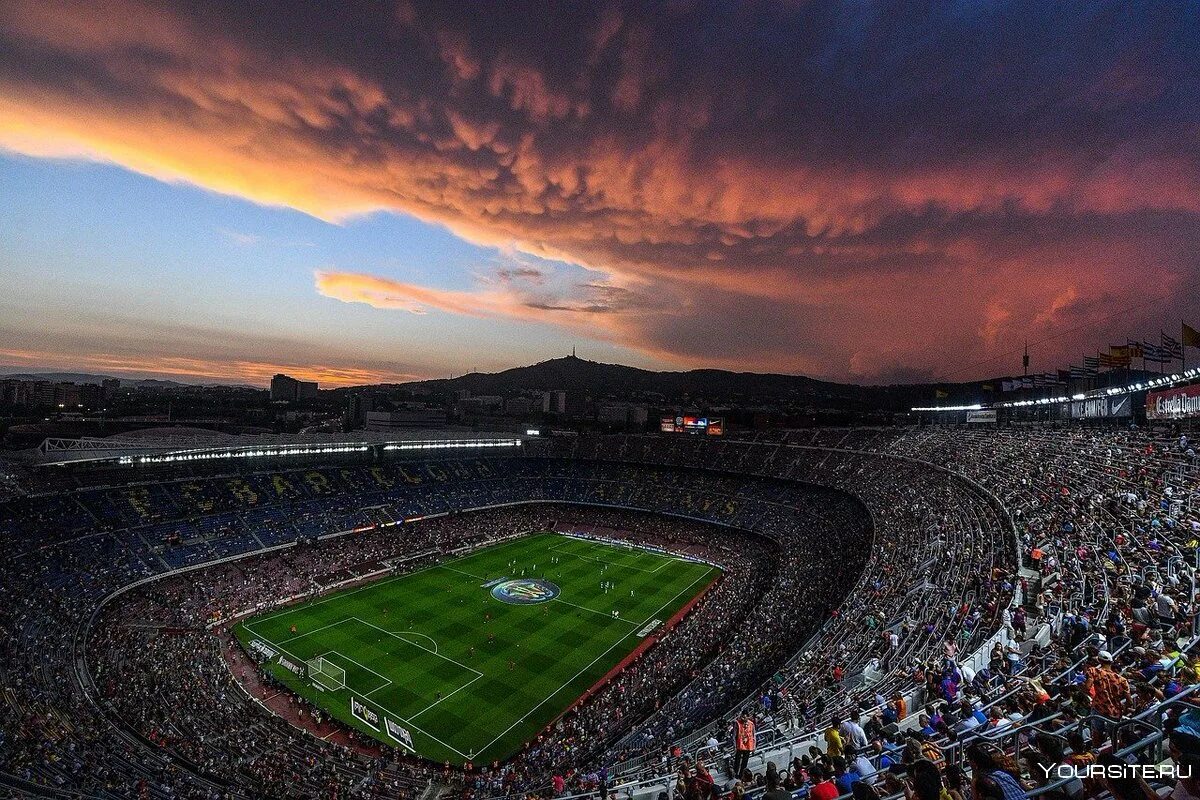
{"x":827,"y":187}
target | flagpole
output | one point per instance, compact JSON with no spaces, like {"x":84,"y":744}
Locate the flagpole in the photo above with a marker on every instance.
{"x":1182,"y":346}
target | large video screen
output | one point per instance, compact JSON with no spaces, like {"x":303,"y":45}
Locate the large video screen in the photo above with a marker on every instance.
{"x":705,"y":426}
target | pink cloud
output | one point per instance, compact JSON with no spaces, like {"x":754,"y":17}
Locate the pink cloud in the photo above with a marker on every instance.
{"x":869,"y":207}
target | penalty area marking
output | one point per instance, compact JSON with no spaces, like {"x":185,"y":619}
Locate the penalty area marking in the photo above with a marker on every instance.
{"x":406,"y":720}
{"x":432,"y":641}
{"x":414,"y":644}
{"x":446,"y":697}
{"x":299,"y":635}
{"x":345,"y":657}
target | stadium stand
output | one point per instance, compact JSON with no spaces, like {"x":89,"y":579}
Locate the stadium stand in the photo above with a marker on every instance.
{"x":915,"y":611}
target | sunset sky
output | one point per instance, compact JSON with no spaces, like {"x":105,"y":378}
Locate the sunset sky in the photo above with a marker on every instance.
{"x":366,"y":192}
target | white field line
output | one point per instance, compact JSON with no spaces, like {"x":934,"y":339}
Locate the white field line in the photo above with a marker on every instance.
{"x":420,"y":729}
{"x":394,"y":714}
{"x":414,"y":644}
{"x":356,"y":619}
{"x":345,"y":657}
{"x":376,"y":584}
{"x":422,"y":635}
{"x":594,"y":611}
{"x":665,"y":559}
{"x":337,"y":595}
{"x":400,"y":635}
{"x":463,"y":572}
{"x":309,"y":633}
{"x":589,"y":665}
{"x":446,"y":697}
{"x":387,"y":680}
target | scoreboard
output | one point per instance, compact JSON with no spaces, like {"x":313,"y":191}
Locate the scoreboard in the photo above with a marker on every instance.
{"x":699,"y":426}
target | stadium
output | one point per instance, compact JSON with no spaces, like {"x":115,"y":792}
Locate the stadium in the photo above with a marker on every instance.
{"x":620,"y":400}
{"x":487,"y":616}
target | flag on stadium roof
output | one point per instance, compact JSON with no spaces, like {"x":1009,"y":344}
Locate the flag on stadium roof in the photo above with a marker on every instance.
{"x":1190,"y":337}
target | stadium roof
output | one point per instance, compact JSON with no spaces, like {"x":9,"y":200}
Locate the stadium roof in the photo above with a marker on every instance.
{"x":168,"y":445}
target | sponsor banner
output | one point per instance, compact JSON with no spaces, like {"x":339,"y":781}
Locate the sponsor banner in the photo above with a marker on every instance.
{"x":1101,"y":407}
{"x":1090,"y":408}
{"x":367,"y":715}
{"x":987,"y":415}
{"x":263,"y":649}
{"x":398,"y":734}
{"x":1180,"y":403}
{"x":291,"y":666}
{"x":650,"y":626}
{"x":492,"y":583}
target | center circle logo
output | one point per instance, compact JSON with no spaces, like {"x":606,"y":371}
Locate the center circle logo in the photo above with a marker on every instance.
{"x":525,"y":591}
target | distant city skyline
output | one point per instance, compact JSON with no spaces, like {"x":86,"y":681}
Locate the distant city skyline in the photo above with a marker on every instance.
{"x":360,"y":194}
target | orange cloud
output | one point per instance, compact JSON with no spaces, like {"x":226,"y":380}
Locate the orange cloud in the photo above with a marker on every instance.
{"x":257,"y":373}
{"x":596,"y":310}
{"x":385,"y":293}
{"x":810,"y":205}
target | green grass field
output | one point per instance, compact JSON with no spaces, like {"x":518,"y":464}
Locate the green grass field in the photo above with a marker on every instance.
{"x":468,"y":675}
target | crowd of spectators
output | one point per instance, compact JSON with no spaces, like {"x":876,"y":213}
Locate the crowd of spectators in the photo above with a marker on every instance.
{"x":59,"y":608}
{"x":885,"y":559}
{"x":1093,"y":645}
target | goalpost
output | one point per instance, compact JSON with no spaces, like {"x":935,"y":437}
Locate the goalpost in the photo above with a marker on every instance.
{"x":325,"y":674}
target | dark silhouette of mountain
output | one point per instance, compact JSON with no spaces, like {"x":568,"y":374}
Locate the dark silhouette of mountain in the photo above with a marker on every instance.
{"x":597,"y":379}
{"x":578,"y":374}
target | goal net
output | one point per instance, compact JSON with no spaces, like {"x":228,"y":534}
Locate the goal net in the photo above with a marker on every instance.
{"x":325,"y":674}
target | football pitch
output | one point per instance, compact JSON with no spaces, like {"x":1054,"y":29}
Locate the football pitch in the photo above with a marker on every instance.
{"x":469,"y":659}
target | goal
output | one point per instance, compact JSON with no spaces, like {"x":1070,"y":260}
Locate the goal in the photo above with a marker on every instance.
{"x":325,"y":674}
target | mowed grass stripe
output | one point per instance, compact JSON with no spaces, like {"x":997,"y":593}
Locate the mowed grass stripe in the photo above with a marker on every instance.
{"x":500,"y":672}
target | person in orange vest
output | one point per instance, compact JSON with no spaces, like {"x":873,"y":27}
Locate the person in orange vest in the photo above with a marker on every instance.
{"x":901,"y":707}
{"x":743,"y":743}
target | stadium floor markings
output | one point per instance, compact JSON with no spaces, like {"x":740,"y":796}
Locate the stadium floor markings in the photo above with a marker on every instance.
{"x":594,"y":611}
{"x":339,"y":655}
{"x":399,"y":635}
{"x":463,"y":572}
{"x":407,"y":721}
{"x":414,"y":644}
{"x":302,"y":635}
{"x":422,"y":635}
{"x":375,"y":584}
{"x":665,"y":558}
{"x":334,"y":593}
{"x":446,"y":697}
{"x":590,"y":664}
{"x":533,"y":546}
{"x":360,"y":666}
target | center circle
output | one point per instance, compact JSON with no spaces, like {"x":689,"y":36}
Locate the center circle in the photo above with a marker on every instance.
{"x":525,"y":591}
